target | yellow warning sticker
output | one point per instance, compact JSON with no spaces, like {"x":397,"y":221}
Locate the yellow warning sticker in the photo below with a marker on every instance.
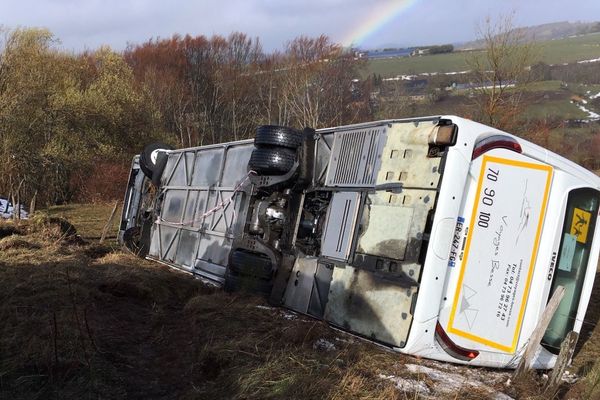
{"x":580,"y":224}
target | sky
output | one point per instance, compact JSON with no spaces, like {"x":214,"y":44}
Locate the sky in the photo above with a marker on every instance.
{"x":88,"y":24}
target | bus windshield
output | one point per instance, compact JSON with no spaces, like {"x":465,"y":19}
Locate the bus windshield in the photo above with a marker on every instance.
{"x":572,"y":261}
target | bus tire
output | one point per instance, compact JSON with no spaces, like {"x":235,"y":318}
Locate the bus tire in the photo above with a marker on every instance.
{"x":281,"y":136}
{"x":252,"y":264}
{"x":272,"y":161}
{"x":149,"y":158}
{"x":236,"y":283}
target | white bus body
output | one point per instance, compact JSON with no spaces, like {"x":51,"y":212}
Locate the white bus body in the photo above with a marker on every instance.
{"x":438,"y":237}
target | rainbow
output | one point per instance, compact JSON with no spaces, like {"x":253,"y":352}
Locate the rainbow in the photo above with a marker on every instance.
{"x":377,"y":20}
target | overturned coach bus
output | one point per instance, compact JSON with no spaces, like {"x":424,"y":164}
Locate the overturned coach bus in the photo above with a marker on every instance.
{"x":438,"y":237}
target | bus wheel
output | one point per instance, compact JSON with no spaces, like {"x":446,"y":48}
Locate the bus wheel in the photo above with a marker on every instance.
{"x":248,"y":271}
{"x":282,"y":136}
{"x":150,"y":162}
{"x":272,"y":161}
{"x":236,"y":283}
{"x":131,"y":239}
{"x":252,"y":264}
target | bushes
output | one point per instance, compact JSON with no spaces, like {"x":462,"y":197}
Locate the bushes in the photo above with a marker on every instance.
{"x":103,"y":181}
{"x":60,"y":111}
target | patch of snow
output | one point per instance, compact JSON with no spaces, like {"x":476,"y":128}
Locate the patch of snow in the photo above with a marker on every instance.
{"x":285,"y":314}
{"x":593,"y":60}
{"x":508,"y":85}
{"x":288,"y":315}
{"x":412,"y":77}
{"x":569,"y":377}
{"x":407,"y":385}
{"x":7,"y":210}
{"x":595,"y":96}
{"x":207,"y":282}
{"x":450,"y":382}
{"x":323,"y":345}
{"x":402,"y":78}
{"x":265,"y":307}
{"x":457,"y":72}
{"x":446,"y":382}
{"x":478,"y":374}
{"x":592,"y":116}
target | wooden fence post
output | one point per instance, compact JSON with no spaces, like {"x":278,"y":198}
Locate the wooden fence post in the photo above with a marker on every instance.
{"x":15,"y":215}
{"x":567,"y":348}
{"x":32,"y":203}
{"x":538,"y":333}
{"x":109,"y":222}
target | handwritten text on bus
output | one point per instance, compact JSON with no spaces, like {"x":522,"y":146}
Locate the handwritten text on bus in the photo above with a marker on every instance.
{"x":487,"y":200}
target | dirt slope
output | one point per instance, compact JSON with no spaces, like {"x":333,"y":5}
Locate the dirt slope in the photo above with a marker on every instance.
{"x":81,"y":320}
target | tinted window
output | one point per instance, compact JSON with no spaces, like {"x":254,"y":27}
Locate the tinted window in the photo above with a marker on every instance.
{"x":571,"y":262}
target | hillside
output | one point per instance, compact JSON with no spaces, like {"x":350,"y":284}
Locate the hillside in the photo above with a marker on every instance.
{"x":83,"y":320}
{"x":567,"y":50}
{"x":545,"y":32}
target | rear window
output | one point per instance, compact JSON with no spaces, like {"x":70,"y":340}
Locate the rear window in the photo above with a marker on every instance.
{"x":571,"y":262}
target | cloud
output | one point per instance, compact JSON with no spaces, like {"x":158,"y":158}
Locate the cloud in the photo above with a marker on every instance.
{"x":90,"y":23}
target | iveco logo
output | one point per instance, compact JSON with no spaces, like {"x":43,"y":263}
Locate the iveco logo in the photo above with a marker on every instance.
{"x":552,"y":264}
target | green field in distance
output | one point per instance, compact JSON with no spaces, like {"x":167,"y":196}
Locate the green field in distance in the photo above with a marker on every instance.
{"x":551,"y":52}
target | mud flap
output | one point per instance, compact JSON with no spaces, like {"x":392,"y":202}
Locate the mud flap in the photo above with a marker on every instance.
{"x":282,"y":275}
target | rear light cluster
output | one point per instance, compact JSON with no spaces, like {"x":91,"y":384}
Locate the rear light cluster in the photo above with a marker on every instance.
{"x":495,"y":142}
{"x":452,"y":348}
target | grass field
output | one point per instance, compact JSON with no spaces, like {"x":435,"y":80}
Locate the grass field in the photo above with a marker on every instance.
{"x":551,"y":52}
{"x":89,"y":219}
{"x":544,"y":86}
{"x":391,"y":67}
{"x":570,"y":49}
{"x":560,"y":108}
{"x":542,"y":100}
{"x":584,"y":89}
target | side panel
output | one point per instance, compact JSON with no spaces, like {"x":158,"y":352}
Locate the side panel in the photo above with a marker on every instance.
{"x":375,"y":280}
{"x":202,"y":206}
{"x":340,"y":225}
{"x":356,"y":157}
{"x":372,"y":305}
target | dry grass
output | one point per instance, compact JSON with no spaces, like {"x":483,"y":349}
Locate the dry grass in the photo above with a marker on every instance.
{"x":88,"y":218}
{"x":80,"y":322}
{"x":85,"y":321}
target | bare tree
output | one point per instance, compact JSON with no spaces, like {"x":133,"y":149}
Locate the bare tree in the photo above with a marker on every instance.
{"x":501,"y":71}
{"x":270,"y":90}
{"x":317,"y":82}
{"x":393,"y":100}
